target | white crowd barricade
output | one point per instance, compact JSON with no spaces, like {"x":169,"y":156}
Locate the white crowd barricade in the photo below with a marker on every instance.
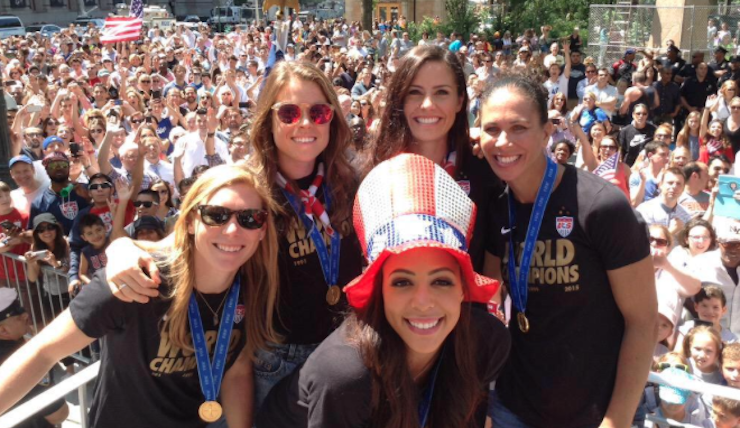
{"x":44,"y":299}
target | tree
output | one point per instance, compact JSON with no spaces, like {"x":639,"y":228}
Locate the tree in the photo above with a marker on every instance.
{"x":461,"y":17}
{"x":367,"y":14}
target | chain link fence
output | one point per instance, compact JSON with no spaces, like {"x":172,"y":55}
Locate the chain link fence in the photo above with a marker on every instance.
{"x":614,"y":28}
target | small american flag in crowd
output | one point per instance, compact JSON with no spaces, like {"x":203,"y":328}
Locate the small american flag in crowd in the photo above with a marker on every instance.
{"x":608,"y":169}
{"x":118,"y":29}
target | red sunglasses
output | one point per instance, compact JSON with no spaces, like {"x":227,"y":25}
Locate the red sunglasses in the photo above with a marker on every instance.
{"x":290,"y":114}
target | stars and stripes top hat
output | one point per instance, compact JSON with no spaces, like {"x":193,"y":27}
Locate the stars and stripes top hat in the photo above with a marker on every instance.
{"x":410,"y":202}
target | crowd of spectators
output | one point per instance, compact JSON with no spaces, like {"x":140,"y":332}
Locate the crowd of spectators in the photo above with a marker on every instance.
{"x":106,"y":140}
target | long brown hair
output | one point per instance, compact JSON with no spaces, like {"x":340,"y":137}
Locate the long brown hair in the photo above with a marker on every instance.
{"x":259,"y":274}
{"x":264,"y":157}
{"x":394,"y":393}
{"x":395,"y":135}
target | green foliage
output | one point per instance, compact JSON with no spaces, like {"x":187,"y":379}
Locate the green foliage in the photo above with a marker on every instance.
{"x":562,"y":15}
{"x":416,"y":29}
{"x":461,"y":17}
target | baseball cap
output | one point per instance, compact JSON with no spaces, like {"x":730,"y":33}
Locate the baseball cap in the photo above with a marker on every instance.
{"x":524,"y":49}
{"x":410,"y":202}
{"x":44,"y":218}
{"x":103,"y":72}
{"x":728,"y":230}
{"x":54,"y":156}
{"x":148,"y":222}
{"x":20,"y":158}
{"x":10,"y":305}
{"x":672,"y":394}
{"x":630,"y":51}
{"x":51,"y":140}
{"x":720,"y":49}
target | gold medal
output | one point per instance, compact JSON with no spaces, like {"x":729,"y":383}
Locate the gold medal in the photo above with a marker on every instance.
{"x":210,"y":411}
{"x":333,"y":294}
{"x":523,"y":322}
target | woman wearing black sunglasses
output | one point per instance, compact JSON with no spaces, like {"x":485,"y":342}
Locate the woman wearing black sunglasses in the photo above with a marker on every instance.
{"x":218,"y":297}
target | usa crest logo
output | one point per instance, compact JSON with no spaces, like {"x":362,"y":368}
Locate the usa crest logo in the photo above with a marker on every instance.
{"x":69,"y":210}
{"x":564,"y":225}
{"x":465,"y":185}
{"x":240,"y":312}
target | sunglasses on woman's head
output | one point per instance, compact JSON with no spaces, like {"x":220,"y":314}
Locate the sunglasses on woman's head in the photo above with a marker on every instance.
{"x":663,"y":366}
{"x":290,"y":114}
{"x":214,"y":215}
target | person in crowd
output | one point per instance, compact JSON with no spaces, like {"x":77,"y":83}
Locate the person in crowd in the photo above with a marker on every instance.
{"x":664,"y":209}
{"x":62,"y":199}
{"x":695,"y":199}
{"x":223,"y":246}
{"x":92,"y":258}
{"x":669,"y":97}
{"x":606,"y":94}
{"x":719,"y":105}
{"x":676,"y":403}
{"x":514,"y":131}
{"x":713,"y":140}
{"x":562,"y":151}
{"x":710,"y":305}
{"x":720,"y":266}
{"x":645,"y":185}
{"x":49,"y":248}
{"x":731,"y":364}
{"x":673,"y":282}
{"x":12,"y":224}
{"x":702,"y":346}
{"x":697,"y":237}
{"x":725,"y":412}
{"x":388,"y":312}
{"x":29,"y":184}
{"x":557,"y":82}
{"x":689,"y":135}
{"x":14,"y":326}
{"x":634,"y":137}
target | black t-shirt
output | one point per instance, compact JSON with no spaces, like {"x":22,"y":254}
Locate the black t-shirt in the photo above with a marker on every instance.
{"x":633,"y":140}
{"x":480,"y":183}
{"x":562,"y":372}
{"x":304,"y":316}
{"x":577,"y":73}
{"x":146,"y":381}
{"x":715,"y":66}
{"x":696,"y":92}
{"x":333,"y":388}
{"x":7,"y":347}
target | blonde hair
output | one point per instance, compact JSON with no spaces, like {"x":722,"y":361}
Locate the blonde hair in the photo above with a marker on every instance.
{"x":259,"y":274}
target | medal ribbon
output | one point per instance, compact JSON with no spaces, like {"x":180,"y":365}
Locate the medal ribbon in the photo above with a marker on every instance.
{"x":311,"y":204}
{"x":519,"y":289}
{"x":426,"y":403}
{"x":210,"y":374}
{"x":329,"y":263}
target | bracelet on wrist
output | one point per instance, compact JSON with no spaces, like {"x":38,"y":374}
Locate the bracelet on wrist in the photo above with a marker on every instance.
{"x":211,"y":134}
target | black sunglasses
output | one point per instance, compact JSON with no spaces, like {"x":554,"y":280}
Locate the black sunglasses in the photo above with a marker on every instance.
{"x":100,"y":186}
{"x":214,"y":215}
{"x":145,"y":204}
{"x":660,"y":242}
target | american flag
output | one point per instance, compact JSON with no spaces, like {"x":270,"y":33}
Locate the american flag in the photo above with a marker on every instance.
{"x":608,"y":169}
{"x":120,"y":29}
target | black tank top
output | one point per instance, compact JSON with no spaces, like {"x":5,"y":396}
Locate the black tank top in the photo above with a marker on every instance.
{"x":733,"y":136}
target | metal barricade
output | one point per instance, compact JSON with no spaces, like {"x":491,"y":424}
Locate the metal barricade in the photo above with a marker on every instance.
{"x":615,"y":27}
{"x":43,"y":299}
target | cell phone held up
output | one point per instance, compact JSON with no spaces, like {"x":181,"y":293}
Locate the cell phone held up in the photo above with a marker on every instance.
{"x":75,"y":149}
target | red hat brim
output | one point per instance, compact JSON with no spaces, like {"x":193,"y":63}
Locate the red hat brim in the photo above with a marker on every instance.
{"x":480,"y":288}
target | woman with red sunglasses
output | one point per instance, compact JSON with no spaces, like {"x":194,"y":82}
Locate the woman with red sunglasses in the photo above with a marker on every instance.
{"x":299,"y":138}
